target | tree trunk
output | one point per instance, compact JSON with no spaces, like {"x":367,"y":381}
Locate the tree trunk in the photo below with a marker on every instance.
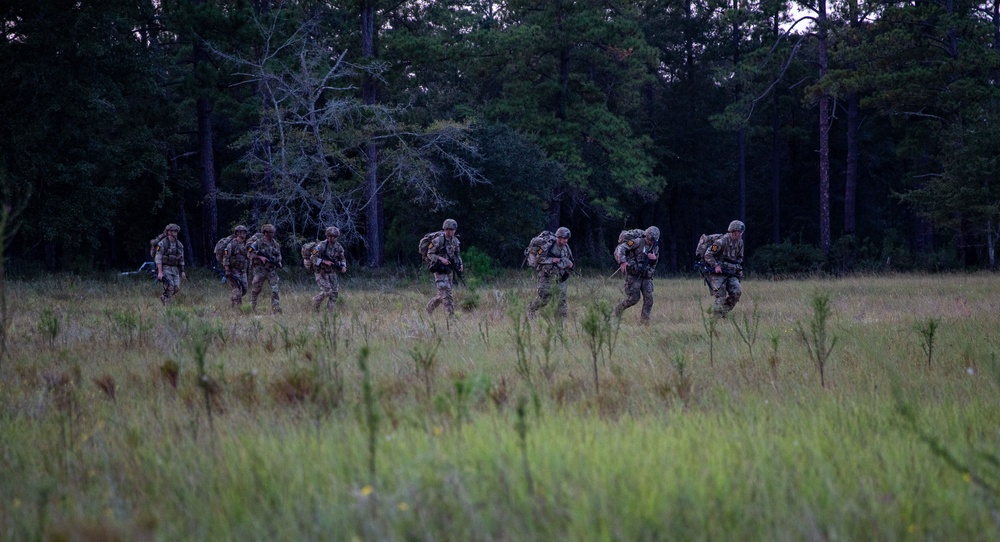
{"x":206,"y":160}
{"x":824,"y":134}
{"x":374,"y":221}
{"x":741,"y":155}
{"x":851,"y":180}
{"x":853,"y":131}
{"x":775,"y":172}
{"x":775,"y":150}
{"x":206,"y":154}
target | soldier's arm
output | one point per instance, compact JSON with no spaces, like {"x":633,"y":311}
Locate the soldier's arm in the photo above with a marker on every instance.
{"x":435,"y":252}
{"x":158,"y":259}
{"x":712,"y":254}
{"x":341,"y":257}
{"x":317,"y":254}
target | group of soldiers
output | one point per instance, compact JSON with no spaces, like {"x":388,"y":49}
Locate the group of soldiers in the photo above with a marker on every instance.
{"x":636,"y":258}
{"x":261,"y":256}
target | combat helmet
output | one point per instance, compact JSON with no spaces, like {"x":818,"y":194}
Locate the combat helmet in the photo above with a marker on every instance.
{"x":240,"y":228}
{"x":736,"y":225}
{"x":449,"y":224}
{"x":267,"y":228}
{"x":172,"y":227}
{"x":333,"y":231}
{"x":653,"y":232}
{"x":563,"y":232}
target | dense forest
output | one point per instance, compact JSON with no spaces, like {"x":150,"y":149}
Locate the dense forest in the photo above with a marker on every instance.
{"x":848,"y":135}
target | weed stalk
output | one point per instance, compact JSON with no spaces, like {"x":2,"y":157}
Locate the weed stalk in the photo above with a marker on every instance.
{"x":817,"y":339}
{"x":927,"y":330}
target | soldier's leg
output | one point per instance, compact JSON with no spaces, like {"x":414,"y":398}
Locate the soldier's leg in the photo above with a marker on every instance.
{"x":275,"y":297}
{"x":719,"y":291}
{"x":734,"y":291}
{"x":562,"y":309}
{"x":542,"y":296}
{"x":444,"y":292}
{"x":631,"y":295}
{"x":324,"y":290}
{"x":646,"y":286}
{"x":236,"y":294}
{"x":433,"y":303}
{"x":259,"y":276}
{"x":331,"y":300}
{"x":171,"y":284}
{"x":438,"y":295}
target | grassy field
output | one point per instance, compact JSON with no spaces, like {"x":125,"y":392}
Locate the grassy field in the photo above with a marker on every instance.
{"x":124,"y":420}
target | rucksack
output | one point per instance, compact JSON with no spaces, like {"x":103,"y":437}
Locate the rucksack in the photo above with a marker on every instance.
{"x":425,"y":243}
{"x":307,"y":252}
{"x":155,"y":241}
{"x":220,"y":248}
{"x":540,"y":244}
{"x":630,"y":235}
{"x":704,"y":243}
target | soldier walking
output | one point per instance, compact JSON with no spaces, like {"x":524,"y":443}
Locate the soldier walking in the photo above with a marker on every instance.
{"x":637,"y":259}
{"x":328,"y":259}
{"x":444,"y":253}
{"x":169,"y":261}
{"x":235,"y":263}
{"x":555,"y":263}
{"x":265,"y":256}
{"x":724,"y":259}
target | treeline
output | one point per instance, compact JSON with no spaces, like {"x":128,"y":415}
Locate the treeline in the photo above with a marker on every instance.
{"x":847,"y":135}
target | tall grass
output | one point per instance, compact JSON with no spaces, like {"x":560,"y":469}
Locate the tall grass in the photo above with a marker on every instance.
{"x":679,"y":444}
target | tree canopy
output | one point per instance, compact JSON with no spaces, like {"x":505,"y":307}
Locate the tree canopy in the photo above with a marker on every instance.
{"x":384,"y":118}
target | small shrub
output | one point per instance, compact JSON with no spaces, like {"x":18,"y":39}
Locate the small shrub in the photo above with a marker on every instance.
{"x":106,"y":384}
{"x":479,"y":265}
{"x":48,"y":325}
{"x":169,"y":372}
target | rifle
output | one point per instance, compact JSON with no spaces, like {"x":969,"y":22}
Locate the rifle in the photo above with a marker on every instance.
{"x":566,"y":271}
{"x":221,"y":273}
{"x":731,"y":269}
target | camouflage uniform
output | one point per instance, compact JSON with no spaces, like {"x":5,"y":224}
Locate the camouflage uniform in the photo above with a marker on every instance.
{"x":265,"y":271}
{"x":547,"y":270}
{"x":638,"y":271}
{"x":170,"y":259}
{"x":326,"y":275}
{"x":727,"y":253}
{"x":236,"y":264}
{"x":442,"y":247}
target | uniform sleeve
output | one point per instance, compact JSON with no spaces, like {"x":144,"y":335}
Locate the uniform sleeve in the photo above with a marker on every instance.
{"x":712,"y":254}
{"x":277,"y":252}
{"x":228,"y":253}
{"x":339,"y":256}
{"x":434,"y":249}
{"x":458,"y":252}
{"x":158,"y":259}
{"x":317,"y":253}
{"x":546,"y":257}
{"x":620,"y":253}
